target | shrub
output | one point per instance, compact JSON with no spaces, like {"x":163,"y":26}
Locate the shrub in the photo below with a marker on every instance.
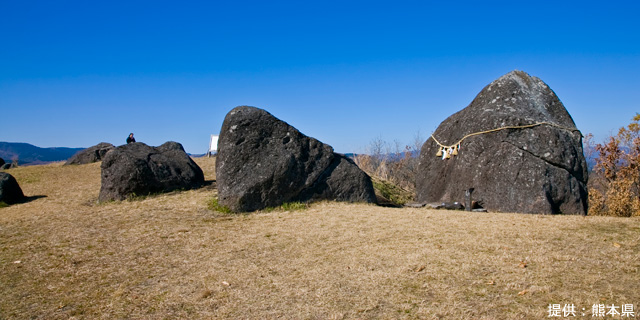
{"x":392,"y":169}
{"x":390,"y":194}
{"x":614,"y":184}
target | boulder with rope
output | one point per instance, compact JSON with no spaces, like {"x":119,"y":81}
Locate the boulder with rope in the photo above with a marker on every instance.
{"x":515,"y":144}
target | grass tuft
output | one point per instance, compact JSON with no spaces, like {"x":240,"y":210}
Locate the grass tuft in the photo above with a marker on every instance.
{"x":3,"y":204}
{"x":288,"y":206}
{"x":389,"y":193}
{"x":213,"y":205}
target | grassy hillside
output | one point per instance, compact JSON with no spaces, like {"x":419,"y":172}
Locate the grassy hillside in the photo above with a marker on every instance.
{"x":64,"y":256}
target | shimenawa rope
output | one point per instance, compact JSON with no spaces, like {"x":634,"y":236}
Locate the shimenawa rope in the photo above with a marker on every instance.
{"x":447,"y":151}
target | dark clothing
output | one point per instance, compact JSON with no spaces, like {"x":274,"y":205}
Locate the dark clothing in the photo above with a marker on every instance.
{"x":130,"y":139}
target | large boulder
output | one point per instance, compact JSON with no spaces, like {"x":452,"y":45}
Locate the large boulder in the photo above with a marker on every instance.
{"x":10,"y":191}
{"x":264,"y":162}
{"x":91,"y":154}
{"x":2,"y":162}
{"x":137,"y":169}
{"x":536,"y":167}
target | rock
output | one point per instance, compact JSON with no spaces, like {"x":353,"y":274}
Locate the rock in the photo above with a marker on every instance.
{"x":265,"y":162}
{"x":415,"y":205}
{"x":10,"y":191}
{"x":434,"y":205}
{"x":540,"y":169}
{"x":343,"y":180}
{"x":91,"y":154}
{"x":137,"y":169}
{"x":452,"y":205}
{"x":445,"y":205}
{"x":2,"y":162}
{"x":7,"y":166}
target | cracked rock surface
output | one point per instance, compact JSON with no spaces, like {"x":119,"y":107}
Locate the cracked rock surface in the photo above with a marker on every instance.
{"x":264,"y":162}
{"x":541,"y":169}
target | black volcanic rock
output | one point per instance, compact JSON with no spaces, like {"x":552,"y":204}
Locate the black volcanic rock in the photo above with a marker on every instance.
{"x":343,"y":180}
{"x":265,"y":162}
{"x":7,"y":166}
{"x":137,"y":169}
{"x":91,"y":154}
{"x":540,"y":169}
{"x":10,"y":191}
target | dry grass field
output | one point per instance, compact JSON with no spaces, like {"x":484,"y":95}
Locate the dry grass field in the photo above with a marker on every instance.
{"x":64,"y":256}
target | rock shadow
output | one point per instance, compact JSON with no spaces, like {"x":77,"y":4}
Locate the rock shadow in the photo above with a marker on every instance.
{"x":27,"y":199}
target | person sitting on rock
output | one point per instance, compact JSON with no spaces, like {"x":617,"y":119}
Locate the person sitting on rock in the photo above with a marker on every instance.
{"x":131,"y":139}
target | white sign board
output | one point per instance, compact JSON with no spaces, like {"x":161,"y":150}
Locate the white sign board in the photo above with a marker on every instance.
{"x":213,"y":144}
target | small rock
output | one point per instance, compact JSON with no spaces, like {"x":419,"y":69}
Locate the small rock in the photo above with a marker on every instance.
{"x":7,"y":166}
{"x":415,"y":205}
{"x":10,"y":191}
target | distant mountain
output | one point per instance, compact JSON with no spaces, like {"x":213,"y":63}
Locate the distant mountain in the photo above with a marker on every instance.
{"x":29,"y":154}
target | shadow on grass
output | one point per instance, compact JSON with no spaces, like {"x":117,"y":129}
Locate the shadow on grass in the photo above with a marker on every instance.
{"x":31,"y":198}
{"x":209,"y":185}
{"x":23,"y":200}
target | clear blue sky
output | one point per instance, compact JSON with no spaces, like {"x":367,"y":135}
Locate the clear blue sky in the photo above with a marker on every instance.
{"x":76,"y":73}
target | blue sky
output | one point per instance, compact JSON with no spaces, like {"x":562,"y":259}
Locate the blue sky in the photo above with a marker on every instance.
{"x":76,"y":73}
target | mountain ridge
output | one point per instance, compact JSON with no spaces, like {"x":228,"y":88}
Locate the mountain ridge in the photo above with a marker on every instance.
{"x":28,"y":154}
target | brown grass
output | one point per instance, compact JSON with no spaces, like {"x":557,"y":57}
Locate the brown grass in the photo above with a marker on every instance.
{"x":167,"y":256}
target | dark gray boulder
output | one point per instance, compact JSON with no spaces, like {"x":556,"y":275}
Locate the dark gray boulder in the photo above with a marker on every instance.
{"x":343,"y":180}
{"x":91,"y":154}
{"x":137,"y":169}
{"x":264,"y":162}
{"x":2,"y":162}
{"x":7,"y":166}
{"x":539,"y":169}
{"x":10,"y":191}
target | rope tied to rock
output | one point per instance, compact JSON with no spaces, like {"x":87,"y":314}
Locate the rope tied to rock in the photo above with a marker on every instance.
{"x":446,"y":152}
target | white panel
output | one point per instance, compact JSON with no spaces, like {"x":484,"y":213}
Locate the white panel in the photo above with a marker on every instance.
{"x":213,"y":145}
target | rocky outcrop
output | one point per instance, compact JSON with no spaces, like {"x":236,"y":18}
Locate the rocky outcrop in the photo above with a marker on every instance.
{"x":7,"y":166}
{"x":137,"y":169}
{"x":1,"y":162}
{"x":536,"y":166}
{"x":10,"y":191}
{"x":265,"y":162}
{"x":91,"y":154}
